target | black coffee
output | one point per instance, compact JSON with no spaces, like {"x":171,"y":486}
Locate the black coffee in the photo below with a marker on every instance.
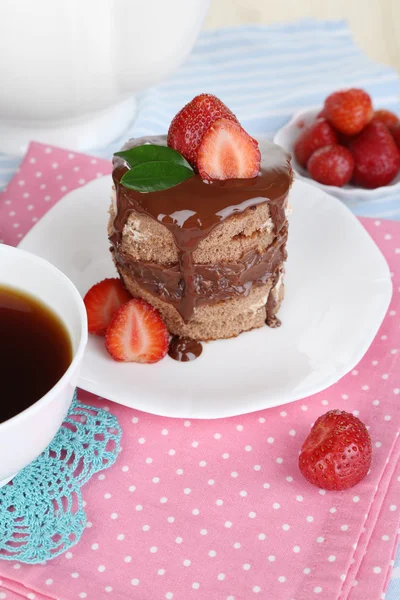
{"x":35,"y":351}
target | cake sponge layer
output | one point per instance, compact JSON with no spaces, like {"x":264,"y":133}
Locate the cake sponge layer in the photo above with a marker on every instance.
{"x":145,"y":239}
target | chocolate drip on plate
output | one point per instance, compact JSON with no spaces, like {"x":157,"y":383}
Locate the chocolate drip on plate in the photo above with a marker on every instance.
{"x":183,"y":349}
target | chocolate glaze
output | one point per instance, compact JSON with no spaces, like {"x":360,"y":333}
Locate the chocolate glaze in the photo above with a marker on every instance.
{"x":271,"y":319}
{"x":190,"y":211}
{"x":270,"y":308}
{"x":211,"y":282}
{"x":183,"y":349}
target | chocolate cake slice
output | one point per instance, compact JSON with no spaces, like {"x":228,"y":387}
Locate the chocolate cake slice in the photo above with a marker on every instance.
{"x":209,"y":255}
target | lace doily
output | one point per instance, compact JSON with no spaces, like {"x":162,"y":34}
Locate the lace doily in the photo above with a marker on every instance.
{"x":41,"y":509}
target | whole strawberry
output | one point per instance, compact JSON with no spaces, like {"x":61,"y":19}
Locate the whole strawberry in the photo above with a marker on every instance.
{"x":189,"y":125}
{"x":395,"y":131}
{"x":318,"y":134}
{"x":345,"y":140}
{"x":387,"y":117}
{"x":349,"y":111}
{"x":331,"y":165}
{"x":376,"y":156}
{"x":336,"y":454}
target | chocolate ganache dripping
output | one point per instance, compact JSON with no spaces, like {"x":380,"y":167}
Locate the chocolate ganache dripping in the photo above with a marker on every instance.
{"x":191,"y":210}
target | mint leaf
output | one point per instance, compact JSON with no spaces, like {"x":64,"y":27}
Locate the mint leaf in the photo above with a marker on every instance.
{"x":154,"y":168}
{"x":156,"y":175}
{"x":152,"y":153}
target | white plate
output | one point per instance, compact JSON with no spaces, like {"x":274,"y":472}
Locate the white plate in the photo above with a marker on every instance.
{"x":338,"y":289}
{"x":287,"y":136}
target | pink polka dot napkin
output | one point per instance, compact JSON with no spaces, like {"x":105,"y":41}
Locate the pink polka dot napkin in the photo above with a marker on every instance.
{"x":218,"y":510}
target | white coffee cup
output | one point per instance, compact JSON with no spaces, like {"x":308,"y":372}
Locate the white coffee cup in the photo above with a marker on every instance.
{"x":26,"y":435}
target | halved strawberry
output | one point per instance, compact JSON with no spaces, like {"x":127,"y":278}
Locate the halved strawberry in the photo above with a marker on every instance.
{"x":228,"y":152}
{"x":101,"y":301}
{"x":192,"y":121}
{"x":137,"y":333}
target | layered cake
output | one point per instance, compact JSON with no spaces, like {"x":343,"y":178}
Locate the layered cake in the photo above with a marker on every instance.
{"x":207,"y":253}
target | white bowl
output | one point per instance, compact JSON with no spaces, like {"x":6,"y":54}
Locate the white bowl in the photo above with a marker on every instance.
{"x":287,"y":136}
{"x":25,"y":436}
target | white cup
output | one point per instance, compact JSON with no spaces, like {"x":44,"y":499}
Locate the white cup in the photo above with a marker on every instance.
{"x":25,"y":436}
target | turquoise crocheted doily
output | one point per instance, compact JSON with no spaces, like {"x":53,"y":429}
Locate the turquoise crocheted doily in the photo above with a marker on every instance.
{"x":41,"y":510}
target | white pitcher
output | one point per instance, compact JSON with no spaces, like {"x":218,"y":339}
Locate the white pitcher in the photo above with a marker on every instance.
{"x":69,"y":69}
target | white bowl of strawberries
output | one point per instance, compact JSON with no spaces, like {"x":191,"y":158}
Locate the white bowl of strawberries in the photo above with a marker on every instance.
{"x":345,"y":147}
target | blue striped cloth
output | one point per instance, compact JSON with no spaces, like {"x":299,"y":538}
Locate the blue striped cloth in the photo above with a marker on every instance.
{"x":265,"y":74}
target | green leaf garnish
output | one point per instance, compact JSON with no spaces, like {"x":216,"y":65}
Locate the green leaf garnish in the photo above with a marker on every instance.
{"x":153,"y":168}
{"x":151,"y":153}
{"x":155,"y":176}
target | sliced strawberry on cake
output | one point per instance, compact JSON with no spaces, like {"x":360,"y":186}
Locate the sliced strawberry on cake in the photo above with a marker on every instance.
{"x":211,"y":138}
{"x":189,"y":125}
{"x":228,"y":152}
